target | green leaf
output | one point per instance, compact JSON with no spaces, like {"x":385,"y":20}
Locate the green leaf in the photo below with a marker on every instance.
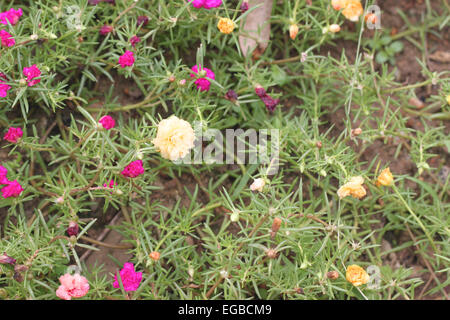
{"x":396,"y":46}
{"x":381,"y":57}
{"x":278,"y":75}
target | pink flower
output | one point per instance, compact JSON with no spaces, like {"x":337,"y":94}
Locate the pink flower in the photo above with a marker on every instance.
{"x":202,"y":83}
{"x":134,"y":169}
{"x":13,"y":135}
{"x":106,"y":29}
{"x":127,"y":59}
{"x":75,"y":286}
{"x":3,"y":173}
{"x":6,"y":39}
{"x":134,"y":40}
{"x":11,"y":15}
{"x":130,"y":278}
{"x":107,"y":122}
{"x":207,"y":4}
{"x":13,"y":189}
{"x":31,"y":73}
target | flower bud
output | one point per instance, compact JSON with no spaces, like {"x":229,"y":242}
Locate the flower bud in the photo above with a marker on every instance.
{"x":244,"y":6}
{"x":271,"y":253}
{"x":356,"y":132}
{"x":334,"y":28}
{"x":224,"y":274}
{"x":172,"y":78}
{"x":448,"y":99}
{"x":332,"y":275}
{"x":73,"y":229}
{"x":276,"y":224}
{"x":293,"y":31}
{"x":234,"y":216}
{"x":3,"y":293}
{"x":154,"y":255}
{"x":5,"y":259}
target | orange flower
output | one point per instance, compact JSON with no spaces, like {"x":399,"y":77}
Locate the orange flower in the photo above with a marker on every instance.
{"x":293,"y":30}
{"x":353,"y":9}
{"x":356,"y":275}
{"x":352,"y":188}
{"x":225,"y":25}
{"x":385,"y":178}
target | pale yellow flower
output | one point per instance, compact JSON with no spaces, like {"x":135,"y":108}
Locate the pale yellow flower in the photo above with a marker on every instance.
{"x":356,"y":275}
{"x":174,"y":139}
{"x":352,"y":188}
{"x":258,"y":184}
{"x":448,"y":99}
{"x":385,"y":178}
{"x":225,"y":25}
{"x":352,"y":10}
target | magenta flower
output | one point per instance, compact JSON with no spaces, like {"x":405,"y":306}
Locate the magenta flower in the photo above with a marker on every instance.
{"x":13,"y":189}
{"x":202,"y":83}
{"x":31,"y":73}
{"x":134,"y":40}
{"x":127,"y":59}
{"x":72,"y":286}
{"x":130,"y":278}
{"x":6,"y":39}
{"x":11,"y":15}
{"x":3,"y":173}
{"x":4,"y":88}
{"x":106,"y":29}
{"x":13,"y":135}
{"x":134,"y":169}
{"x":107,"y":122}
{"x":207,"y":4}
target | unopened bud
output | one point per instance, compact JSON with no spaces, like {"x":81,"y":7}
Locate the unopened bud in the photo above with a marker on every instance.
{"x":118,"y":192}
{"x":224,"y":274}
{"x":276,"y":224}
{"x":234,"y":216}
{"x":3,"y":293}
{"x":319,"y":144}
{"x":333,"y":275}
{"x":293,"y":31}
{"x":271,"y":253}
{"x":356,"y":132}
{"x":34,"y":37}
{"x":73,"y":229}
{"x":172,"y":78}
{"x":5,"y":259}
{"x":182,"y":82}
{"x":334,"y":28}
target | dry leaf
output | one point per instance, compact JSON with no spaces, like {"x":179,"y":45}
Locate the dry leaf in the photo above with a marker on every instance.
{"x":257,"y":25}
{"x":416,"y":102}
{"x":441,"y":56}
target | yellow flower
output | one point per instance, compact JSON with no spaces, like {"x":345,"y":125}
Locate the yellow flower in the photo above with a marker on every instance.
{"x":385,"y":178}
{"x":448,"y":99}
{"x":338,"y":4}
{"x":293,"y":30}
{"x":174,"y":139}
{"x":356,"y":275}
{"x":352,"y":188}
{"x":353,"y":9}
{"x":225,"y":25}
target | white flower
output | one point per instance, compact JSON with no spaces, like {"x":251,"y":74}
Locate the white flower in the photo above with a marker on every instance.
{"x":174,"y":139}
